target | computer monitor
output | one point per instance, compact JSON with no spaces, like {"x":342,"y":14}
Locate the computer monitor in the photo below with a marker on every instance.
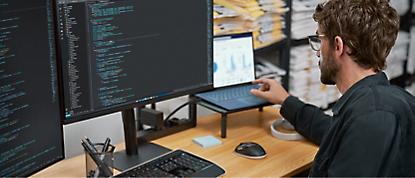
{"x":122,"y":54}
{"x":31,"y":135}
{"x":118,"y":54}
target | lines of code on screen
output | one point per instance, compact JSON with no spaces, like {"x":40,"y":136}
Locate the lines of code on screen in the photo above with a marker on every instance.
{"x":30,"y":126}
{"x":128,"y":51}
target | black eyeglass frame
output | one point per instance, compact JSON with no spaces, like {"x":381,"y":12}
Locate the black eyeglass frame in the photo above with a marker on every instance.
{"x":315,"y":42}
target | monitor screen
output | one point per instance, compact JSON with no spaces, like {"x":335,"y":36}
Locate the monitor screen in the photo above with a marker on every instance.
{"x":117,"y":54}
{"x":30,"y":112}
{"x":233,"y":60}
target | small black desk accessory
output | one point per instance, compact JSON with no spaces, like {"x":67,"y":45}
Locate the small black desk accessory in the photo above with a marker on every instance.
{"x":102,"y":158}
{"x":151,"y":117}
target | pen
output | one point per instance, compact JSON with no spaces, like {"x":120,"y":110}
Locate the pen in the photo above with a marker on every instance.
{"x":90,"y":143}
{"x":90,"y":147}
{"x":106,"y":145}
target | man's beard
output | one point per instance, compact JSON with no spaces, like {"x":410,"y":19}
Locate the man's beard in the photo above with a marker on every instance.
{"x":329,"y":69}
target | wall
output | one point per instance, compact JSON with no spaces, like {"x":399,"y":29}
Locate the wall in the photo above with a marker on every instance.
{"x":98,"y":129}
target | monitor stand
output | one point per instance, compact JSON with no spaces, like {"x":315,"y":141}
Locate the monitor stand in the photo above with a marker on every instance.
{"x":138,"y":147}
{"x":146,"y":151}
{"x":134,"y":153}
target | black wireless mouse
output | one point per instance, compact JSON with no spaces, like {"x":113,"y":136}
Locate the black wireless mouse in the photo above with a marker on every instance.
{"x":250,"y":150}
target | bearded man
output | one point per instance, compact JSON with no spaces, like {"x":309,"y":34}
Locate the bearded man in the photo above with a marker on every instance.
{"x":372,"y":130}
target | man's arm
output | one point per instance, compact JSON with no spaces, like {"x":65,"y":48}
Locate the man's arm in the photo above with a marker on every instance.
{"x":365,"y":148}
{"x":308,"y":120}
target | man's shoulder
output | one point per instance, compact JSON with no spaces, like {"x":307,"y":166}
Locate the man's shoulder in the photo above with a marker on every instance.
{"x":392,"y":94}
{"x":387,"y":98}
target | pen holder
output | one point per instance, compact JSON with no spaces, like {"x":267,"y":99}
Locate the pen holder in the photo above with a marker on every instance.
{"x":92,"y":168}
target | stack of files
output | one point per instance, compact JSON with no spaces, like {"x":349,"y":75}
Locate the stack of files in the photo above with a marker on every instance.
{"x":305,"y":78}
{"x":264,"y":18}
{"x":317,"y":94}
{"x":265,"y":69}
{"x":227,"y":10}
{"x":227,"y":25}
{"x":398,"y":55}
{"x":227,"y":18}
{"x":410,"y":67}
{"x":302,"y":23}
{"x":304,"y":57}
{"x":257,"y":8}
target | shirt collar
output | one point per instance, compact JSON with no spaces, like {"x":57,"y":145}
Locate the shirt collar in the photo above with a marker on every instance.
{"x":376,"y":79}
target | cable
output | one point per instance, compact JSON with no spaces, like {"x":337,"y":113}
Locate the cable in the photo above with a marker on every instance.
{"x":180,"y":107}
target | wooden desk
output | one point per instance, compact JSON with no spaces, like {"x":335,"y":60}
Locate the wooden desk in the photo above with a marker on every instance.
{"x":284,"y":158}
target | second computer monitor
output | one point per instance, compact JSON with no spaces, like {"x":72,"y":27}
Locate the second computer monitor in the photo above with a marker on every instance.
{"x":31,"y":137}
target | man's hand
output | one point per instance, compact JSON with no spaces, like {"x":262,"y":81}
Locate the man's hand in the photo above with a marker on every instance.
{"x":270,"y":90}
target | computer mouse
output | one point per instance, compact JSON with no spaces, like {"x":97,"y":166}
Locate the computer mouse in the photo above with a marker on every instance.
{"x":250,"y":150}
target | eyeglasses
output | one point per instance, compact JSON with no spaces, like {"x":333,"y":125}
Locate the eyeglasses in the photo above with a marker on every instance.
{"x":315,"y":42}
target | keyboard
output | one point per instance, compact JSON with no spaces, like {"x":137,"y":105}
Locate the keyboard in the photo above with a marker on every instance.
{"x":176,"y":163}
{"x":232,"y":93}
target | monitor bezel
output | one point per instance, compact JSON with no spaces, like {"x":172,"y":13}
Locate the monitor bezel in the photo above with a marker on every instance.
{"x":131,"y":104}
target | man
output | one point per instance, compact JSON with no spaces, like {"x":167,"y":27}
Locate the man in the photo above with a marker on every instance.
{"x":372,"y":130}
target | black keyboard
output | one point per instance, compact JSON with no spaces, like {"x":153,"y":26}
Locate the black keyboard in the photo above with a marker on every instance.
{"x":176,"y":163}
{"x":231,"y":93}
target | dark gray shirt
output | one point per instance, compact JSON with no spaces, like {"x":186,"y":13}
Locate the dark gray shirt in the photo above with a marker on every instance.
{"x":371,"y":132}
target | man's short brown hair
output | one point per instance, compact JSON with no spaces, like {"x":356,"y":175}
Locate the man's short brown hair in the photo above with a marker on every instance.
{"x":368,"y":27}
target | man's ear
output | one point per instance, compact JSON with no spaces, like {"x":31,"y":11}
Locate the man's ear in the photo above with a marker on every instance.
{"x":339,"y":46}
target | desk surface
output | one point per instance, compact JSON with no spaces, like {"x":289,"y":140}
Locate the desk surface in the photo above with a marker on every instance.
{"x":284,"y":158}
